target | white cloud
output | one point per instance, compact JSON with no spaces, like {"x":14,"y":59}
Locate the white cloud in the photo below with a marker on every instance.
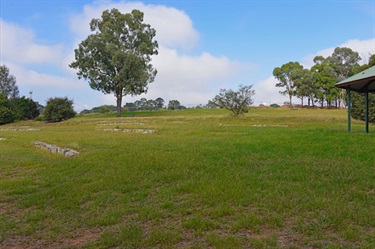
{"x":267,"y":93}
{"x":173,"y":27}
{"x":18,"y":45}
{"x":365,"y":48}
{"x":189,"y":79}
{"x":30,"y":78}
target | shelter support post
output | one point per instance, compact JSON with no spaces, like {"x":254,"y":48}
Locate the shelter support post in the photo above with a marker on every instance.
{"x":349,"y":107}
{"x":366,"y":99}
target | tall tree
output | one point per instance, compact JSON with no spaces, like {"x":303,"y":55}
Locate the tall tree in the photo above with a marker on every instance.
{"x":305,"y":87}
{"x":342,"y":61}
{"x":324,"y":81}
{"x":159,"y":102}
{"x":117,"y":57}
{"x":8,"y":85}
{"x":174,"y":104}
{"x":289,"y":76}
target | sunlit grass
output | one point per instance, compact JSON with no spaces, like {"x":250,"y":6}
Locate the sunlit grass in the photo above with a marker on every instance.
{"x":271,"y":178}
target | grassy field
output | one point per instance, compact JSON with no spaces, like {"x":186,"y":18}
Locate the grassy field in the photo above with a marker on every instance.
{"x":273,"y":178}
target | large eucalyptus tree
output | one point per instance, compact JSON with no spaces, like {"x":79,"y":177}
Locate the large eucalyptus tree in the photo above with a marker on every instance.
{"x":289,"y":76}
{"x":117,"y":57}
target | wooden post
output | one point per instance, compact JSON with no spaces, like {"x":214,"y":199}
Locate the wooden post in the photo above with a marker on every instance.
{"x":349,"y":106}
{"x":366,"y":99}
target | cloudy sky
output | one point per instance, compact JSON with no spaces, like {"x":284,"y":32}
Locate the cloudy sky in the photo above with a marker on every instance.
{"x":204,"y":45}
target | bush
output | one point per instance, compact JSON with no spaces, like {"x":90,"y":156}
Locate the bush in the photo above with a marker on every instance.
{"x":6,"y":115}
{"x":358,"y":107}
{"x":25,"y":108}
{"x":274,"y":106}
{"x":58,"y":109}
{"x":235,"y":101}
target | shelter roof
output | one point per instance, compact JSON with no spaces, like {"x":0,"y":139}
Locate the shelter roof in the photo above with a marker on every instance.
{"x":360,"y":82}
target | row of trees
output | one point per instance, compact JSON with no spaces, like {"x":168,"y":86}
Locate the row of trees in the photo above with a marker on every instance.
{"x":317,"y":84}
{"x":13,"y":107}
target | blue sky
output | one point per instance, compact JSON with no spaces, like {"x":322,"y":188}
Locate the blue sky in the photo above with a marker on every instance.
{"x":204,"y":45}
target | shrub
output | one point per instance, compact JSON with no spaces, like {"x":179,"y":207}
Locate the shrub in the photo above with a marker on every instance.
{"x":6,"y":115}
{"x":235,"y":101}
{"x":58,"y":109}
{"x":274,"y":105}
{"x":358,"y":107}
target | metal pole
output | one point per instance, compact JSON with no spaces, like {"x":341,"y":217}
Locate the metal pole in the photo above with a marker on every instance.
{"x":349,"y":106}
{"x":366,"y":99}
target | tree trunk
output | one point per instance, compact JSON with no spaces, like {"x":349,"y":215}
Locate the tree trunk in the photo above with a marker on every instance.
{"x":302,"y":102}
{"x":290,"y":101}
{"x":119,"y":101}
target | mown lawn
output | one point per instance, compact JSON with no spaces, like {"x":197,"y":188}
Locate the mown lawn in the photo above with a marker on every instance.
{"x":273,"y":178}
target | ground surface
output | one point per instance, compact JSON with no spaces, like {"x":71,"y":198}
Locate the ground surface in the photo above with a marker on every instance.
{"x":273,"y":178}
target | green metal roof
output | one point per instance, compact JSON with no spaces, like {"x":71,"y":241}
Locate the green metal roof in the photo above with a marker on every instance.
{"x":360,"y":82}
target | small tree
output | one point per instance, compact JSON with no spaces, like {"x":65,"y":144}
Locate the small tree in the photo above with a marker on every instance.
{"x":58,"y":109}
{"x":235,"y":101}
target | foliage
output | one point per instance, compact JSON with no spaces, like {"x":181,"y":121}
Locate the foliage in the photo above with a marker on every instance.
{"x":25,"y":108}
{"x":159,"y":103}
{"x":100,"y":109}
{"x":358,"y":109}
{"x":58,"y":109}
{"x":289,"y":76}
{"x":117,"y":57}
{"x":342,"y":62}
{"x":104,"y":109}
{"x":318,"y":83}
{"x":8,"y":85}
{"x":274,"y":105}
{"x":237,"y":102}
{"x":174,"y":105}
{"x":6,"y":113}
{"x":324,"y":80}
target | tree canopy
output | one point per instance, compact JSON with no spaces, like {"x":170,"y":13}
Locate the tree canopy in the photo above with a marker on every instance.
{"x":117,"y":57}
{"x":8,"y":85}
{"x":318,"y":82}
{"x":289,"y":76}
{"x":58,"y":109}
{"x":235,"y":101}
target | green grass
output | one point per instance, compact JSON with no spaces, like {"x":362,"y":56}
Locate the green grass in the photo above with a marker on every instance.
{"x":273,"y":178}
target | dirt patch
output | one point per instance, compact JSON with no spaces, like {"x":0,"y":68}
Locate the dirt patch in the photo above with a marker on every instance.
{"x":27,"y":242}
{"x":143,"y":131}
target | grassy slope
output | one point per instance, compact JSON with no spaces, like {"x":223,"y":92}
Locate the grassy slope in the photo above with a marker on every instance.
{"x":272,"y":178}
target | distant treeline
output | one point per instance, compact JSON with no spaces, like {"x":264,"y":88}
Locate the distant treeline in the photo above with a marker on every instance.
{"x":146,"y":105}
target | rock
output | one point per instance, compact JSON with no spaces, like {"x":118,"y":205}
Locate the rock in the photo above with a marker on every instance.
{"x":56,"y":149}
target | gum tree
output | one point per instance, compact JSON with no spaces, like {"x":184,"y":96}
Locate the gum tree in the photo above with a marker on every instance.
{"x":117,"y":57}
{"x":289,"y":76}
